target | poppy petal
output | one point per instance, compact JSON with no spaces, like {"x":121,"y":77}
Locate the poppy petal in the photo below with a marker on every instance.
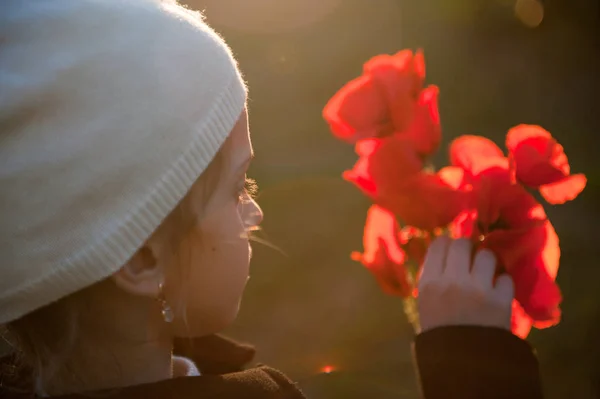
{"x":520,"y":322}
{"x":425,"y":130}
{"x":399,"y":83}
{"x":534,"y":275}
{"x":357,"y":111}
{"x":383,"y":256}
{"x":564,"y":190}
{"x":425,"y":201}
{"x":475,"y":153}
{"x":540,"y":162}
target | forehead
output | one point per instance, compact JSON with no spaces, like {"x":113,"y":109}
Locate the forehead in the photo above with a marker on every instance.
{"x":239,"y":143}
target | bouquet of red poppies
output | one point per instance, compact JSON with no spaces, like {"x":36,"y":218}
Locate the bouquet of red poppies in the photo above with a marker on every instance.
{"x":484,"y":195}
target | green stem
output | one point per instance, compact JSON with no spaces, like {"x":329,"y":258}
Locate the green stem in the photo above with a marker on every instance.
{"x":412,"y":313}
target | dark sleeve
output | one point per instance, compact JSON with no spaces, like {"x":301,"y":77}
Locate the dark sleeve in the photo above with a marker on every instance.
{"x":289,"y":389}
{"x":468,"y":362}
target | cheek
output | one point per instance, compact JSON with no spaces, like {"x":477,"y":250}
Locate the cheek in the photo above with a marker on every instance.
{"x":224,"y":238}
{"x":218,"y":270}
{"x":223,"y":245}
{"x":220,"y":259}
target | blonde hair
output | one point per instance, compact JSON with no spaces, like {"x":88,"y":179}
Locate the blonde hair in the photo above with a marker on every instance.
{"x":44,"y":339}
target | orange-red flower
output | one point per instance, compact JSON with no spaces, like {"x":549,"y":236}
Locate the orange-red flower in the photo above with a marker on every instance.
{"x":383,"y":255}
{"x":390,"y":172}
{"x":383,"y":166}
{"x":394,"y":123}
{"x":506,"y":219}
{"x":388,"y":249}
{"x":387,"y":98}
{"x":540,"y":162}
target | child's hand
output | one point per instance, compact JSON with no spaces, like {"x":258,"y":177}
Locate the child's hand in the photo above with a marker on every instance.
{"x":451,"y":292}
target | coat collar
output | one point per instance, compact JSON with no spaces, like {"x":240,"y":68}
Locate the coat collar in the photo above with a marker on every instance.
{"x":212,"y":354}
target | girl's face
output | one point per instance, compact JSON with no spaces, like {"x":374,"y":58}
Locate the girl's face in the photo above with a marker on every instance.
{"x":216,"y":253}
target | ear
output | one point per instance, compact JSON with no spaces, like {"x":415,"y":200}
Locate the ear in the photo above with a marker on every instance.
{"x":141,"y":275}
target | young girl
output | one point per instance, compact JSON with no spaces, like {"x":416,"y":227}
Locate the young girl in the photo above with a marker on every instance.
{"x":125,"y":219}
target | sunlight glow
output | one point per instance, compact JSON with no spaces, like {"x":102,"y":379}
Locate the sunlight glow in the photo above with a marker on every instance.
{"x":327,"y":369}
{"x":268,"y":16}
{"x":529,"y":12}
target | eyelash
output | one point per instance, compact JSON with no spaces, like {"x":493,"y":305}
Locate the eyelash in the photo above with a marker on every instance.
{"x":249,"y":190}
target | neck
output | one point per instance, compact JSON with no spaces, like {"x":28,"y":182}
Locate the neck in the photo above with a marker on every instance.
{"x":123,"y":342}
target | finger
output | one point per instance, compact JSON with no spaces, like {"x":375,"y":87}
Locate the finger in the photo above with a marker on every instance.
{"x":458,"y":260}
{"x":504,"y":291}
{"x":484,"y":267}
{"x":433,"y":265}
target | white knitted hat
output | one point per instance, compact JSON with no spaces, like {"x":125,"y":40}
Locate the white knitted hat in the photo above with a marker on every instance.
{"x":109,"y":111}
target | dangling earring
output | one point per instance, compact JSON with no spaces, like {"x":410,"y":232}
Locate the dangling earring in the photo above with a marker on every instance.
{"x":166,"y":310}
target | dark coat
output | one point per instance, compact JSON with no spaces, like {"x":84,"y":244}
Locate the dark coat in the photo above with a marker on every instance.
{"x":452,"y":362}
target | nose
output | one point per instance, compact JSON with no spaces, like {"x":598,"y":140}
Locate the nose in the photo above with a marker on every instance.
{"x":254,"y":216}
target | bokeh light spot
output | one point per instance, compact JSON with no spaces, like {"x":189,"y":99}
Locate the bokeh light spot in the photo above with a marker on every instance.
{"x":327,"y":369}
{"x":529,"y":12}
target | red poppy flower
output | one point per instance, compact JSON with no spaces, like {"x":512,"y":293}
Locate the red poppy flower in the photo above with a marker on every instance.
{"x":527,"y":247}
{"x":510,"y":222}
{"x":383,"y":255}
{"x":383,"y":165}
{"x":540,"y":162}
{"x":390,"y":172}
{"x":520,"y":323}
{"x":386,"y":99}
{"x":425,"y":131}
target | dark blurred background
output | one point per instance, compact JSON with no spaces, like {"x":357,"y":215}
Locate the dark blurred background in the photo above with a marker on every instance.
{"x":498,"y":63}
